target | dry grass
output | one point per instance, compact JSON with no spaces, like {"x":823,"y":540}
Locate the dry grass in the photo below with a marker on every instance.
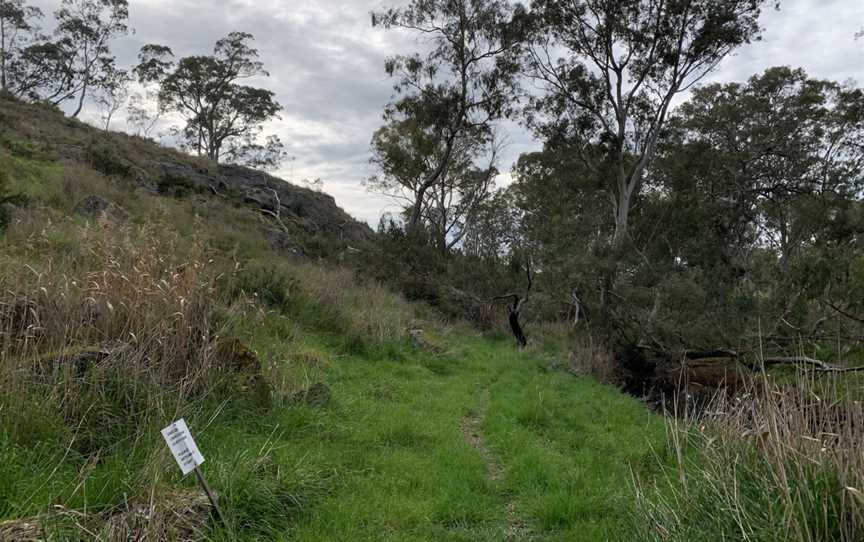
{"x":369,"y":309}
{"x":107,"y":329}
{"x":577,"y":348}
{"x":778,"y":462}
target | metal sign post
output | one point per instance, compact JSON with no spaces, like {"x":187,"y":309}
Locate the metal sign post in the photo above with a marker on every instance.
{"x":188,"y":457}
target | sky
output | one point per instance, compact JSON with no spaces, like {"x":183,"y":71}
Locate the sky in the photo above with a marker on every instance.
{"x":326,"y":66}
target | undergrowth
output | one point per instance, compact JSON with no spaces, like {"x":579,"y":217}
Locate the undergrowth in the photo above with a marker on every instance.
{"x":774,"y":462}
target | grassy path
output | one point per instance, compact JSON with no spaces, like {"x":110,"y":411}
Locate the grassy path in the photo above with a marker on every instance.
{"x":481,"y":443}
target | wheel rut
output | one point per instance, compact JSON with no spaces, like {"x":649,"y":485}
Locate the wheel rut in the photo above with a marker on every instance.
{"x":515,"y":527}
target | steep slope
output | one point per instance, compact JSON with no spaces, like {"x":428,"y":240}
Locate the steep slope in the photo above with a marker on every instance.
{"x":294,"y":215}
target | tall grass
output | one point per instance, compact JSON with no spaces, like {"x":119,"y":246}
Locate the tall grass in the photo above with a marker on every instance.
{"x":329,"y":299}
{"x":777,"y":462}
{"x":104,"y":338}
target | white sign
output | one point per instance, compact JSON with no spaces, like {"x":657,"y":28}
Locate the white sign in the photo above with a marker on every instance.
{"x":182,"y":446}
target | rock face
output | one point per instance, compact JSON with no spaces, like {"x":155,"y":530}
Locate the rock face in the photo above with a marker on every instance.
{"x":313,"y":212}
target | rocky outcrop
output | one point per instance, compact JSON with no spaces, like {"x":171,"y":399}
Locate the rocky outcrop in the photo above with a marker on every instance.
{"x":311,"y":221}
{"x":311,"y":211}
{"x":95,"y":207}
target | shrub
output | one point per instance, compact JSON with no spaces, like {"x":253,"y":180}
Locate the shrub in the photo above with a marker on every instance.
{"x":106,"y":160}
{"x":6,"y":199}
{"x":326,"y":298}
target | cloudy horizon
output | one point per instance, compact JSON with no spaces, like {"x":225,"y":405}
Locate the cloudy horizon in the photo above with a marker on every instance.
{"x":326,"y":66}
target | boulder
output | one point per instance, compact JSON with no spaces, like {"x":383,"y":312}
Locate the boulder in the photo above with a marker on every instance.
{"x":93,"y":207}
{"x":282,"y":242}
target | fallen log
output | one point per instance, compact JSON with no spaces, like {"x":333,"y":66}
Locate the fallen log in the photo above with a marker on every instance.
{"x":819,"y":365}
{"x":694,"y":355}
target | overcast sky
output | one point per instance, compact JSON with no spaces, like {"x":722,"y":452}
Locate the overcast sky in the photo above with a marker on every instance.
{"x":326,"y":66}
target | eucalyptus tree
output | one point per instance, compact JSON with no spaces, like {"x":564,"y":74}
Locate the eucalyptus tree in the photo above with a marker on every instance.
{"x":612,"y":69}
{"x":32,"y":66}
{"x":18,"y":29}
{"x":453,"y":202}
{"x":766,"y":179}
{"x":405,"y":155}
{"x":113,"y":94}
{"x":145,"y":109}
{"x":85,"y":29}
{"x":223,"y":117}
{"x":449,"y":96}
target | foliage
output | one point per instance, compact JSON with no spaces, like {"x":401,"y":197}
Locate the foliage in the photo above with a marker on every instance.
{"x":113,"y":94}
{"x":446,"y":100}
{"x":84,"y":30}
{"x":405,"y":153}
{"x":223,"y":117}
{"x":612,"y":69}
{"x":74,"y":62}
{"x":18,"y":29}
{"x":6,"y":198}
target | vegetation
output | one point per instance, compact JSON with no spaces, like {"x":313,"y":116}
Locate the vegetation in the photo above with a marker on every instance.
{"x":205,"y":91}
{"x":697,"y":247}
{"x":780,"y":461}
{"x":71,"y":63}
{"x":126,"y":325}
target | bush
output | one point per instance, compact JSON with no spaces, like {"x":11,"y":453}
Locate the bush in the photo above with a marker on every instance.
{"x":105,"y":159}
{"x":328,"y":299}
{"x":6,"y":199}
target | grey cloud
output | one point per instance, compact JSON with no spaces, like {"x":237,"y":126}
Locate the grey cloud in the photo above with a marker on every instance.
{"x":326,"y":65}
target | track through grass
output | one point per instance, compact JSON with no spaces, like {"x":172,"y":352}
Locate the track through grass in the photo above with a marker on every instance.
{"x":481,"y":443}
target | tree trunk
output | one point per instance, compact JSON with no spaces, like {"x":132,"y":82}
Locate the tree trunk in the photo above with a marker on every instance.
{"x":417,"y":210}
{"x":2,"y":56}
{"x":623,"y":203}
{"x":81,"y":99}
{"x":622,"y":217}
{"x":516,"y":327}
{"x":429,"y":181}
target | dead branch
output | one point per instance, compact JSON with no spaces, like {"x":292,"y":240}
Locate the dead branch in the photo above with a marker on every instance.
{"x":804,"y":360}
{"x":703,"y":354}
{"x":843,"y":312}
{"x":516,"y":309}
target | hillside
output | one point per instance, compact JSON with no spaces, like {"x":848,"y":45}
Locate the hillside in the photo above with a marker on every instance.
{"x":141,"y":285}
{"x":39,"y":141}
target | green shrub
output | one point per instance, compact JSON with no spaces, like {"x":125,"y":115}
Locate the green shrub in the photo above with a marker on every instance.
{"x":105,"y":159}
{"x":7,"y":198}
{"x":175,"y":186}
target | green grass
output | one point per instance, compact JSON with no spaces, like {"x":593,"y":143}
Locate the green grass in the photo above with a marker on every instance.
{"x":387,"y":458}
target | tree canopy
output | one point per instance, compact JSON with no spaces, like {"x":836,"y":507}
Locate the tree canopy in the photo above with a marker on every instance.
{"x":223,"y":117}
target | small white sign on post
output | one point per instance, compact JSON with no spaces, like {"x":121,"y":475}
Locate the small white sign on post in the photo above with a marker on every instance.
{"x":182,"y":446}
